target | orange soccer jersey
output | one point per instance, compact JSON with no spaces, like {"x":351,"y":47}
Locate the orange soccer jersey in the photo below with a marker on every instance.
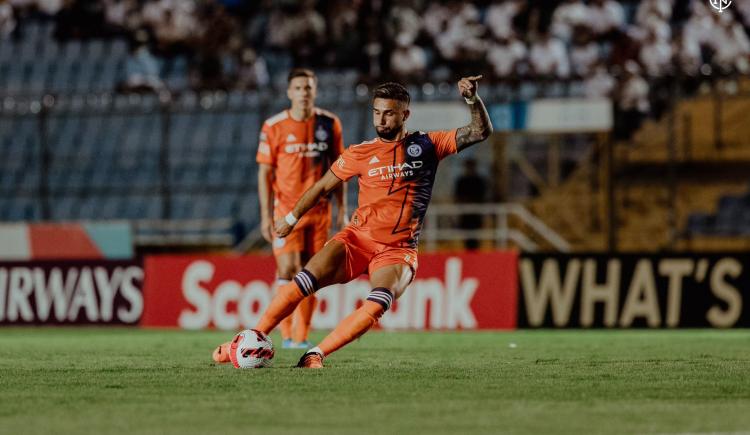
{"x":300,"y":153}
{"x":395,"y":183}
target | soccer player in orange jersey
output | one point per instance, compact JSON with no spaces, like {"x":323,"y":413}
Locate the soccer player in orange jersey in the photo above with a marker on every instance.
{"x":396,"y":172}
{"x":296,"y":148}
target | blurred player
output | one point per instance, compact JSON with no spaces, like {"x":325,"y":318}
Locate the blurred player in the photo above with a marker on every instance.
{"x":396,"y":172}
{"x":296,"y":148}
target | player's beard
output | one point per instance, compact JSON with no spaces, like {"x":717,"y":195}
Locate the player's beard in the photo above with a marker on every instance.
{"x":389,"y":134}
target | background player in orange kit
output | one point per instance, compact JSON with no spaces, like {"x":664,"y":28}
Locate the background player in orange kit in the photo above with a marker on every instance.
{"x":396,"y":172}
{"x":296,"y":148}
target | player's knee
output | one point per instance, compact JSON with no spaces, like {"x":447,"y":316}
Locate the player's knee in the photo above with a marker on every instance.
{"x":306,"y":282}
{"x":381,"y":296}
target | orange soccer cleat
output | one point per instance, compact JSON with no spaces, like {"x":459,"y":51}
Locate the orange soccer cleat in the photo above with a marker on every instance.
{"x":311,"y":360}
{"x":221,"y":353}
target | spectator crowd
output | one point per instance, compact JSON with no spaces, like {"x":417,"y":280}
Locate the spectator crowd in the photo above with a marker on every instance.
{"x":627,"y":50}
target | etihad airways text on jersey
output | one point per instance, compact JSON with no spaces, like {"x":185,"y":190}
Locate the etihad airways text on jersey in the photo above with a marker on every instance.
{"x":398,"y":170}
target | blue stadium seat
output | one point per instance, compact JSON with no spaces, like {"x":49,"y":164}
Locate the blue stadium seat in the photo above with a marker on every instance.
{"x":109,"y":207}
{"x":215,"y":175}
{"x":193,"y":206}
{"x":744,"y":224}
{"x":700,"y":224}
{"x":728,"y":215}
{"x":108,"y":71}
{"x":154,"y":206}
{"x":22,"y":209}
{"x":132,"y":207}
{"x":63,"y":208}
{"x":220,"y":206}
{"x":223,"y":136}
{"x":4,"y":73}
{"x":84,"y":76}
{"x":95,"y":49}
{"x":14,"y":79}
{"x":235,"y":100}
{"x":7,"y":179}
{"x":249,"y":209}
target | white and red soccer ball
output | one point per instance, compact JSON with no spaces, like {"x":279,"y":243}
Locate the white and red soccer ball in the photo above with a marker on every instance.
{"x":251,"y":349}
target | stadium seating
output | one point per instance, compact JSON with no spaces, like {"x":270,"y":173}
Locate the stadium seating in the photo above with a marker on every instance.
{"x":103,"y":152}
{"x":39,"y":63}
{"x":104,"y":160}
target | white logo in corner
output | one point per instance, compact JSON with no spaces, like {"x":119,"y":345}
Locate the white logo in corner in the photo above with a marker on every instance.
{"x":374,"y":160}
{"x":414,"y":150}
{"x":720,"y":5}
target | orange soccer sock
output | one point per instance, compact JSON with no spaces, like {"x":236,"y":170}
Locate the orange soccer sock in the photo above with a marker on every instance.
{"x":286,"y":325}
{"x":281,"y":306}
{"x":302,"y":318}
{"x":356,"y":324}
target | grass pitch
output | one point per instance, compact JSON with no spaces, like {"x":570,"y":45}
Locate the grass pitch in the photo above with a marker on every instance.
{"x":526,"y":382}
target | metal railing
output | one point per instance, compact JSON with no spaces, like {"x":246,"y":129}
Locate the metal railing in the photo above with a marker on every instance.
{"x":184,"y":233}
{"x":501,"y":233}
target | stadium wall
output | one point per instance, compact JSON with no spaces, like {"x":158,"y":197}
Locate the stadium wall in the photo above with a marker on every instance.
{"x":500,"y":290}
{"x":57,"y":241}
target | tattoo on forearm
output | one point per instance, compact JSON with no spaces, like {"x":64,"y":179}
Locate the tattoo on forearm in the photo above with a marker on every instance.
{"x":478,"y":129}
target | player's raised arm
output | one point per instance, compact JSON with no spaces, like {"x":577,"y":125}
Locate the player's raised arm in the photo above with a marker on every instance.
{"x":480,"y":127}
{"x":322,"y":187}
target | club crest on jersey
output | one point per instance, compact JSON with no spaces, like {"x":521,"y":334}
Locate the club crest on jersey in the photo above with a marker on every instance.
{"x":321,"y":134}
{"x":414,"y":150}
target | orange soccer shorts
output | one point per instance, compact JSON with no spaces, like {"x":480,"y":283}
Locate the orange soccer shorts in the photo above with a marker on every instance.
{"x":308,"y":236}
{"x":366,"y":255}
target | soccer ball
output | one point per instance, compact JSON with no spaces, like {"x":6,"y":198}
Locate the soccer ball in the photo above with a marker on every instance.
{"x":251,"y":349}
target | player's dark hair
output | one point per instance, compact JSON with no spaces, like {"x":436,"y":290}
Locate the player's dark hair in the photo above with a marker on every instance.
{"x":300,"y":72}
{"x":392,"y":91}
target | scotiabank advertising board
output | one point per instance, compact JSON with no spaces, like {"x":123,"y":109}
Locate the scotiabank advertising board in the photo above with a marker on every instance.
{"x":462,"y":291}
{"x":70,"y":292}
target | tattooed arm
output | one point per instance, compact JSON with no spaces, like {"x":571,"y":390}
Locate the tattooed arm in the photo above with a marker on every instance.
{"x":480,"y":127}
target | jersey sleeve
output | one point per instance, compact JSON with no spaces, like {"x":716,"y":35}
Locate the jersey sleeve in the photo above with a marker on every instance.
{"x":445,"y":142}
{"x":338,"y":138}
{"x":266,"y":151}
{"x":346,"y":166}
